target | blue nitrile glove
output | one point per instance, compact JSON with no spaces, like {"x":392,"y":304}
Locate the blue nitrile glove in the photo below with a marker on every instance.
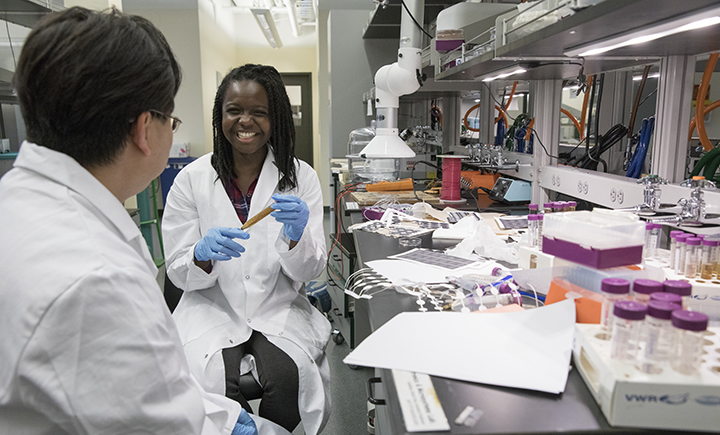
{"x":293,"y":212}
{"x":218,"y":244}
{"x":245,"y":425}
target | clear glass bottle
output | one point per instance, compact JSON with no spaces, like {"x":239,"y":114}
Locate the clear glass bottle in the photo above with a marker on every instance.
{"x":533,"y":229}
{"x":627,"y":323}
{"x":643,"y":288}
{"x":692,"y":257}
{"x":547,"y":207}
{"x":707,"y":267}
{"x":613,"y":290}
{"x":689,"y":329}
{"x":673,"y":246}
{"x":656,"y":337}
{"x":680,"y":253}
{"x":680,"y":288}
{"x":671,"y":298}
{"x":572,"y":205}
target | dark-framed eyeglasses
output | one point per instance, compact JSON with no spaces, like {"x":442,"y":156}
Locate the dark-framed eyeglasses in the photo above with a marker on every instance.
{"x":175,"y":121}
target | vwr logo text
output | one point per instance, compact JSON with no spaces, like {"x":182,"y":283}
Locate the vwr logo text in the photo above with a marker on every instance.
{"x":674,"y":399}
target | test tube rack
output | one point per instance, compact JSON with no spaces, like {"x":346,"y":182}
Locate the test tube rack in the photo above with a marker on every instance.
{"x":630,"y":398}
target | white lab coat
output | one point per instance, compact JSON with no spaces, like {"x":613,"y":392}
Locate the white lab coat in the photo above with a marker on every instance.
{"x":262,"y":290}
{"x":87,"y":344}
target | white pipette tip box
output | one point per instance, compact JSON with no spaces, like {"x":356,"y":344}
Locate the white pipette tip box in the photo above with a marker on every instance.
{"x":631,"y":398}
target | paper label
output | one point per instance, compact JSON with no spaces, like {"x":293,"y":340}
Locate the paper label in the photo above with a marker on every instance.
{"x":419,"y":403}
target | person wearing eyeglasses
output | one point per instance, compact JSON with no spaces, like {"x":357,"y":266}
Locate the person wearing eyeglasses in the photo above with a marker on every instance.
{"x":244,"y":317}
{"x":88,"y":345}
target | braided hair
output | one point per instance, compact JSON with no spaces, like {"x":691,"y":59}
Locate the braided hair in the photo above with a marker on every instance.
{"x":282,"y":128}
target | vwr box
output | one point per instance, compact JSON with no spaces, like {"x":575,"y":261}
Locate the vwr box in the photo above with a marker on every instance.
{"x":630,"y":398}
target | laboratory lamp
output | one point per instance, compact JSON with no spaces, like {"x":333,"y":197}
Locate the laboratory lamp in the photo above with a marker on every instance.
{"x":391,"y":81}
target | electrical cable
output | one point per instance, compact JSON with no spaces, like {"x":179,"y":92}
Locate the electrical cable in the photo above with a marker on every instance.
{"x":601,"y":83}
{"x":414,"y":20}
{"x":412,"y":178}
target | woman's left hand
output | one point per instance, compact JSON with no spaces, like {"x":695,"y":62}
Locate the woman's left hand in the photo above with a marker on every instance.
{"x":293,"y":212}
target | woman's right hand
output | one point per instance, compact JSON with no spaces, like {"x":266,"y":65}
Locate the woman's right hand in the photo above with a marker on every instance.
{"x":218,"y":244}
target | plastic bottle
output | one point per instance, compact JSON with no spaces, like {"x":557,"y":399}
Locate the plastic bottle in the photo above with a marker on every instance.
{"x":707,"y":267}
{"x":540,"y":220}
{"x":692,"y":257}
{"x":680,"y":253}
{"x":613,"y":290}
{"x":547,"y":207}
{"x":643,"y":288}
{"x":627,"y":322}
{"x":650,"y":241}
{"x":689,"y":331}
{"x":671,"y":298}
{"x":656,"y":337}
{"x":673,"y":246}
{"x":572,"y":205}
{"x":532,"y":220}
{"x":680,"y":288}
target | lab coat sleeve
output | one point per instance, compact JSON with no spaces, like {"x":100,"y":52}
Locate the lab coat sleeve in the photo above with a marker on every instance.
{"x":106,"y":359}
{"x":307,"y":259}
{"x":181,"y":232}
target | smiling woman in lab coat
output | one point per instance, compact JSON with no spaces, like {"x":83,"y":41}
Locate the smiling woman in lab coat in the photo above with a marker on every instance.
{"x":244,"y":307}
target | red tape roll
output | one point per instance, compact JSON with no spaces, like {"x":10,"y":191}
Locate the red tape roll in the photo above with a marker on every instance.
{"x":451,"y":179}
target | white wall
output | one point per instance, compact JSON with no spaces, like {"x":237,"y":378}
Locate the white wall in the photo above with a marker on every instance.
{"x":181,"y":28}
{"x":217,"y":55}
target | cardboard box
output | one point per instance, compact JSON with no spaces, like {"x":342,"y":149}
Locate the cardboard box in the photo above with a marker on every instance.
{"x":667,"y":400}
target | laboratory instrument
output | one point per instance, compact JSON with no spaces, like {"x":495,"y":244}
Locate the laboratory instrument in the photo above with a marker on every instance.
{"x":643,"y":288}
{"x":707,"y":266}
{"x":680,"y":252}
{"x":692,"y":257}
{"x":680,"y":288}
{"x":656,"y":337}
{"x":613,"y":290}
{"x":690,"y":327}
{"x":673,"y":246}
{"x":510,"y":191}
{"x":627,"y":322}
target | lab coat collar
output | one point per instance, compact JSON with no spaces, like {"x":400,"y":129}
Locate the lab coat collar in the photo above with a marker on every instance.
{"x":65,"y":170}
{"x":267,"y":182}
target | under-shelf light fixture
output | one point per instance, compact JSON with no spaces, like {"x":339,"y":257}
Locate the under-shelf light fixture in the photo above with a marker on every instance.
{"x":706,"y":18}
{"x":267,"y":25}
{"x":501,"y":73}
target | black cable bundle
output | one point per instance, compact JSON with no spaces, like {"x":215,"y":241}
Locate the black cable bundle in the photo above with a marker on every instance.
{"x":591,"y":158}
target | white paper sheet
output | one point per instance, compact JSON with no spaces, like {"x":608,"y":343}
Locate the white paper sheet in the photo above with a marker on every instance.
{"x":529,"y":349}
{"x":401,"y":272}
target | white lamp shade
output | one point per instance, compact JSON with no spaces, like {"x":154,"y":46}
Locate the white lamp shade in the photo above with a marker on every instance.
{"x":386,"y":146}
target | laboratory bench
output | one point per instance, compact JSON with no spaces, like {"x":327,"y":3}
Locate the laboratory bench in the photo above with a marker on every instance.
{"x":505,"y":410}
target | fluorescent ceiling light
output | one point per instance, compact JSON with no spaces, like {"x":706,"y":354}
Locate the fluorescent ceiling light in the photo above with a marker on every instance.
{"x":692,"y":22}
{"x":267,"y":25}
{"x":650,"y":76}
{"x":501,"y":74}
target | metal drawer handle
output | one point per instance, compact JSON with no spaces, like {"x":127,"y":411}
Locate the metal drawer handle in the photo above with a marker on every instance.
{"x":370,"y":397}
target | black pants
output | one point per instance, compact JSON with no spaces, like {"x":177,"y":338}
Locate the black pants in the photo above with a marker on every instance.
{"x":278,"y":377}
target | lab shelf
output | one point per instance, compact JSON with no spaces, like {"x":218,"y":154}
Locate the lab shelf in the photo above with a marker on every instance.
{"x":384,"y":22}
{"x":541,"y":52}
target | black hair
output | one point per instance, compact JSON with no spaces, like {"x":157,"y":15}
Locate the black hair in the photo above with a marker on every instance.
{"x":84,"y":77}
{"x":282,"y":128}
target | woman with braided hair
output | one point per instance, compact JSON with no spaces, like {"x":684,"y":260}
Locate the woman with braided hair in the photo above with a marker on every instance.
{"x":244,"y":314}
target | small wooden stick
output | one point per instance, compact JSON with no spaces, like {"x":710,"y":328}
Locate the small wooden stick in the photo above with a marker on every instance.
{"x":258,"y":217}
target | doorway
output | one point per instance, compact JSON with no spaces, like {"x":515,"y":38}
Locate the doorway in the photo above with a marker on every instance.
{"x":299,"y":89}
